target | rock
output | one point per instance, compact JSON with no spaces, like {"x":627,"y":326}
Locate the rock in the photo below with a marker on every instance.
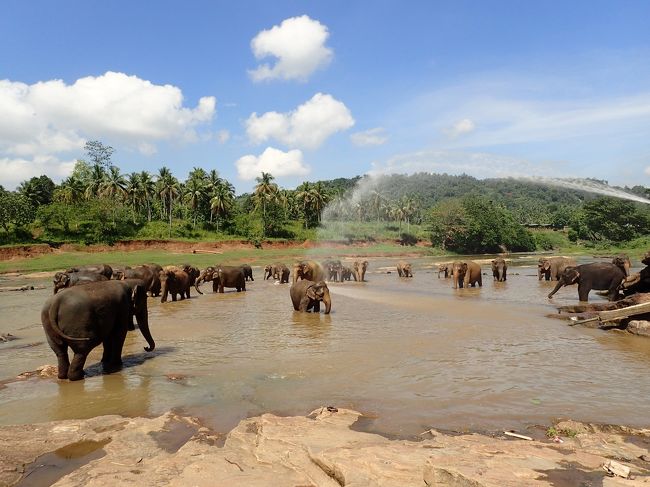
{"x":7,"y":337}
{"x":317,"y":450}
{"x":639,"y":327}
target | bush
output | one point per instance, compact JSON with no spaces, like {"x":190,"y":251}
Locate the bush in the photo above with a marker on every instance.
{"x":408,"y":239}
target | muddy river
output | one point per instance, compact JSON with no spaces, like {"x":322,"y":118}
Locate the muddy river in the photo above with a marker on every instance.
{"x":410,"y":353}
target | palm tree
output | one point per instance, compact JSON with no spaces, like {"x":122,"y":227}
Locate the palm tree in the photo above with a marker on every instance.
{"x":147,"y":190}
{"x":222,"y":201}
{"x":133,"y":193}
{"x":304,"y":195}
{"x":71,"y":191}
{"x":95,"y":181}
{"x":194,"y":192}
{"x":113,"y":187}
{"x":266,"y":191}
{"x":319,"y":198}
{"x":168,"y":190}
{"x":377,"y":199}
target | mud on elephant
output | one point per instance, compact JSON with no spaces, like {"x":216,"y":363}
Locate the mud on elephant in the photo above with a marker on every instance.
{"x":599,"y":276}
{"x":85,"y":316}
{"x":307,"y":295}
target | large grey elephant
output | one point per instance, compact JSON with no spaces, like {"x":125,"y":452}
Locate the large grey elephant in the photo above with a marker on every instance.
{"x":222,"y":276}
{"x":67,"y":279}
{"x":550,"y":268}
{"x":85,"y":316}
{"x":499,"y":269}
{"x":307,"y":295}
{"x":598,"y":275}
{"x":149,"y":274}
{"x":103,"y":269}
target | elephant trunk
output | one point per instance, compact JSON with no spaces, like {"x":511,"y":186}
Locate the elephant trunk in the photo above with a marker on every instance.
{"x":163,"y":299}
{"x":559,"y":284}
{"x":327,"y":301}
{"x":142,"y":316}
{"x":198,"y":281}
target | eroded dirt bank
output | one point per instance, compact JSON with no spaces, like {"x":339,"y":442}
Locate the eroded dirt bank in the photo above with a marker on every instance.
{"x":321,"y":449}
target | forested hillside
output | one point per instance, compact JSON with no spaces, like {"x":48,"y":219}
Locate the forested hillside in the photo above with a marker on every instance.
{"x":97,"y":203}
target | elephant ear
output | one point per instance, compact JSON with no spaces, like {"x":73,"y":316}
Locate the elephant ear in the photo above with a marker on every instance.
{"x":311,"y":292}
{"x":574,"y":274}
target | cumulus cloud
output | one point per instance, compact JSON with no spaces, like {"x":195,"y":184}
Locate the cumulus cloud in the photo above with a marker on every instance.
{"x":374,"y":136}
{"x":308,"y":126}
{"x":273,"y":161}
{"x":45,"y":119}
{"x":298,"y":44}
{"x":15,"y":171}
{"x":464,"y":126}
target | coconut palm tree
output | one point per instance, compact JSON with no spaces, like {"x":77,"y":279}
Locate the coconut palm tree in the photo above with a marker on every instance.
{"x":71,"y":191}
{"x":194,"y":193}
{"x":168,"y":190}
{"x":319,"y":199}
{"x":95,"y":181}
{"x":266,"y":191}
{"x":222,"y":201}
{"x":147,"y":191}
{"x":133,"y":193}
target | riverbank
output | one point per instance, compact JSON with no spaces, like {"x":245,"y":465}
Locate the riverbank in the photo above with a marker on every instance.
{"x":325,"y":448}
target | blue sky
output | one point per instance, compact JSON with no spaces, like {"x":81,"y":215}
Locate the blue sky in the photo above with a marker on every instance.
{"x":318,"y":90}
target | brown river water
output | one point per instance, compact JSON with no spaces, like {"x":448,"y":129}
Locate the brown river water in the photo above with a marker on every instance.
{"x":410,"y":353}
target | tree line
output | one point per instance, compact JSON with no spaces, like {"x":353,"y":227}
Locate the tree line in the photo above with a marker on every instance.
{"x":98,"y":203}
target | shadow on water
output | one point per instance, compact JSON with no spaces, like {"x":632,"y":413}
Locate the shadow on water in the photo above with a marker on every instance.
{"x":49,"y":468}
{"x":130,"y":360}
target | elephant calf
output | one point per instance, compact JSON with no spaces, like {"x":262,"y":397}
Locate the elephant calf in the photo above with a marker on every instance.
{"x":404,"y":269}
{"x":499,"y":269}
{"x":307,"y":295}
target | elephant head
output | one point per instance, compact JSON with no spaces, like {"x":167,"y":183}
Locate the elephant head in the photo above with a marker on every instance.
{"x":268,"y":271}
{"x":192,"y":272}
{"x":61,"y":281}
{"x":623,"y":261}
{"x":543,"y":267}
{"x":569,"y":276}
{"x":499,"y":268}
{"x":308,"y":295}
{"x":206,"y":275}
{"x":299,"y":270}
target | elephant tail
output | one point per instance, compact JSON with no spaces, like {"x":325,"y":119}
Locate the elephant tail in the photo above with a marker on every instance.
{"x":53,"y":322}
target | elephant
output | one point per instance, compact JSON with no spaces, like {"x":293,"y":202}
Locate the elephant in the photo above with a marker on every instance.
{"x":221,"y":277}
{"x":346,"y":274}
{"x":192,"y":272}
{"x":623,"y":261}
{"x":306,"y":295}
{"x":646,"y":258}
{"x":103,"y":269}
{"x":284,"y":274}
{"x":309,"y":270}
{"x":467,"y":274}
{"x":499,"y":269}
{"x":67,"y":279}
{"x":446,"y":268}
{"x":149,"y":274}
{"x":404,"y":269}
{"x":639,"y":282}
{"x":248,"y":272}
{"x":598,"y":275}
{"x":174,"y":281}
{"x":550,"y":268}
{"x":85,"y":316}
{"x":334,"y":270}
{"x":359,"y":270}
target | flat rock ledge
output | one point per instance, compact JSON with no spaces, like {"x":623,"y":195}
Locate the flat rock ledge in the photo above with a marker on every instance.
{"x":317,"y":450}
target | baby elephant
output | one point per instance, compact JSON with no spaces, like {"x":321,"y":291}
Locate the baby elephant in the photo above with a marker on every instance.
{"x":404,"y":269}
{"x":307,"y":295}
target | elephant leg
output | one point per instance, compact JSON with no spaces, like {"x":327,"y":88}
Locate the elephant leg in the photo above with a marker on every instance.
{"x":173,"y":296}
{"x":252,"y":278}
{"x":76,"y":370}
{"x":215,"y":286}
{"x":583,"y":291}
{"x":62,"y":358}
{"x":316,"y":306}
{"x":221,"y":288}
{"x":116,"y":340}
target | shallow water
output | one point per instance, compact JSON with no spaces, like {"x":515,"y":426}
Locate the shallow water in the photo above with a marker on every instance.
{"x":410,"y":353}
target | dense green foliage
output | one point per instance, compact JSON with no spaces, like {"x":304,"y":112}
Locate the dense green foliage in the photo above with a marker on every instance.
{"x":97,"y":203}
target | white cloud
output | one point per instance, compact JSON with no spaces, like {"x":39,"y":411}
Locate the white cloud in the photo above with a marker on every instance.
{"x":308,"y":126}
{"x":298,"y":44}
{"x":15,"y":171}
{"x":273,"y":161}
{"x":374,"y":136}
{"x":647,"y":171}
{"x":47,"y":118}
{"x":461,"y":127}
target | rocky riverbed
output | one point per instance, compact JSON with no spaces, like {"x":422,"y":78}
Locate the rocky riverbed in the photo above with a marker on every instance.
{"x":320,"y":449}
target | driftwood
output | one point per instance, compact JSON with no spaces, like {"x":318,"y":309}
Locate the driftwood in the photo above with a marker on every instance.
{"x":200,"y":251}
{"x":618,"y":312}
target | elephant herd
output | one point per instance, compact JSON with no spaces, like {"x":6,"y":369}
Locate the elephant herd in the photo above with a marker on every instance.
{"x":96,"y":304}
